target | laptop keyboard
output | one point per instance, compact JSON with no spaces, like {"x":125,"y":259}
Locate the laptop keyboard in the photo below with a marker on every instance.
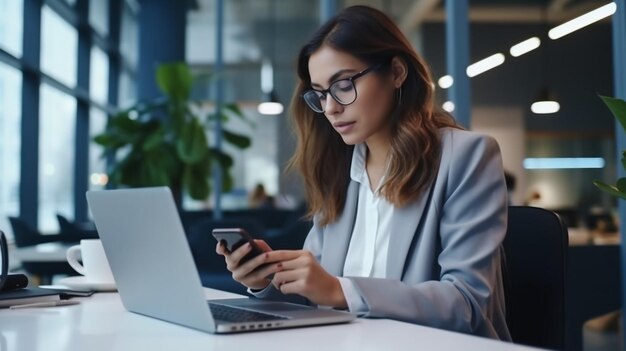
{"x":238,"y":315}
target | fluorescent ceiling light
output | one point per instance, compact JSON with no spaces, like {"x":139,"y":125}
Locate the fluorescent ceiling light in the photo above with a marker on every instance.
{"x":448,"y":106}
{"x":484,"y":65}
{"x":446,"y":81}
{"x":270,"y":108}
{"x":582,"y":21}
{"x":525,"y":46}
{"x":564,"y":163}
{"x":545,"y":107}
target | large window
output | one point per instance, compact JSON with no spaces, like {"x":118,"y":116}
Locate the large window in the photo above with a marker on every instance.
{"x":10,"y":88}
{"x":97,"y":165}
{"x":37,"y":180}
{"x":129,"y":41}
{"x":59,"y":42}
{"x":99,"y":82}
{"x":98,"y":16}
{"x":11,"y":16}
{"x":57,"y":127}
{"x":127,"y":91}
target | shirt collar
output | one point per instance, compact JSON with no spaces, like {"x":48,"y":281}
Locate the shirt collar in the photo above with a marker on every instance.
{"x":357,"y":167}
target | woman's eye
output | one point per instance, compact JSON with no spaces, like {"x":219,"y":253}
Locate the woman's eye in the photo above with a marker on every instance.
{"x":344,"y":86}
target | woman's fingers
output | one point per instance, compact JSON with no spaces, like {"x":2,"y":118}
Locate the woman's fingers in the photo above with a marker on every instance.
{"x":262,"y":245}
{"x":285,"y":276}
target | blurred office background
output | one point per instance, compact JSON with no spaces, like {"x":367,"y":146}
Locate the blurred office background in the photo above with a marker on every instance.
{"x":68,"y":65}
{"x":78,"y":62}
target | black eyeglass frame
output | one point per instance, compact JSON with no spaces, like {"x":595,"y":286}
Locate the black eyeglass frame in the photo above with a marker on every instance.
{"x":327,"y":92}
{"x":4,"y":256}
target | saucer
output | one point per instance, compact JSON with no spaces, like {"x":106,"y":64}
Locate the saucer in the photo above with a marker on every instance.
{"x":81,"y":283}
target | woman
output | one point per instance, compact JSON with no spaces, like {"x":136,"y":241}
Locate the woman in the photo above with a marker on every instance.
{"x":409,"y":211}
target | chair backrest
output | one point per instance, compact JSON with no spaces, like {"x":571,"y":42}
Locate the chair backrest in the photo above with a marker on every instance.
{"x":24,"y":235}
{"x":71,"y":231}
{"x":534,"y":274}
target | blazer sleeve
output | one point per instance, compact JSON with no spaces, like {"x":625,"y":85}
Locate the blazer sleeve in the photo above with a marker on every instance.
{"x":313,"y":243}
{"x":472,"y":227}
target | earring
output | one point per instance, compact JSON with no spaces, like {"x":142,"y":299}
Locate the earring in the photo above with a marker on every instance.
{"x":399,"y":93}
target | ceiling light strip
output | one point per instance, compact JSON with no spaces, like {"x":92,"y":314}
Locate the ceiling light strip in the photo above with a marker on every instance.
{"x":582,"y":21}
{"x":525,"y":46}
{"x":484,"y":65}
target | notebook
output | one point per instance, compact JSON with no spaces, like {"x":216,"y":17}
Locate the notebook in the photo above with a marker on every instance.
{"x":155,"y":274}
{"x":26,"y":296}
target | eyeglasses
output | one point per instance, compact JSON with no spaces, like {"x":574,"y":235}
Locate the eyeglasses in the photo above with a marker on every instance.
{"x":4,"y":259}
{"x":342,"y":90}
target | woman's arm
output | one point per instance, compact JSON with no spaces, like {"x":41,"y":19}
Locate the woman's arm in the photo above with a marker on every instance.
{"x":472,"y":228}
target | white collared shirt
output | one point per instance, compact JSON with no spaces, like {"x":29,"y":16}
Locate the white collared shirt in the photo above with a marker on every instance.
{"x":367,"y":253}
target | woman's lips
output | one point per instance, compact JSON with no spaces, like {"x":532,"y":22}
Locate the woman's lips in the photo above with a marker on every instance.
{"x":343,"y":127}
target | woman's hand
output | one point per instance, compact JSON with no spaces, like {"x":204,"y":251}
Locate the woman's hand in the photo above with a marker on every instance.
{"x":252,"y":273}
{"x":301,"y":274}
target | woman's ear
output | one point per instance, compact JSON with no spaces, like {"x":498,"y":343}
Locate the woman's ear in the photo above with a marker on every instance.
{"x":399,"y":71}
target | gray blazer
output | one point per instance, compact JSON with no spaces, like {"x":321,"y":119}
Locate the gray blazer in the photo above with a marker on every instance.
{"x":443,"y":267}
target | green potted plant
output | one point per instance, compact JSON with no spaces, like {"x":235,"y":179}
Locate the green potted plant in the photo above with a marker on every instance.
{"x":618,"y":108}
{"x":164,"y":142}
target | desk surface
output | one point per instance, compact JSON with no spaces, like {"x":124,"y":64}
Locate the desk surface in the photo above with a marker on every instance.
{"x":101,"y":323}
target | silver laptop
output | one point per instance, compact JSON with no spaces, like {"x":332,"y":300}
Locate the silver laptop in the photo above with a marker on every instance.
{"x":147,"y":249}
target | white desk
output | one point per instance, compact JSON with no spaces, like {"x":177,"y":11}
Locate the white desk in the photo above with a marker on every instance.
{"x":101,"y":323}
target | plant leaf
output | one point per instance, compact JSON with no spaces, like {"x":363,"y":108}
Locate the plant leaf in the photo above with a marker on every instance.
{"x":611,"y":189}
{"x":108,"y":141}
{"x":154,"y":139}
{"x":174,"y":80}
{"x":240,"y":141}
{"x":225,"y":160}
{"x":234,"y":110}
{"x":192,"y":146}
{"x":618,"y":108}
{"x":196,"y":182}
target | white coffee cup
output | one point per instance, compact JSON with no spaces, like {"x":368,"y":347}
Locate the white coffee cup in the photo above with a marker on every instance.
{"x":95,"y":265}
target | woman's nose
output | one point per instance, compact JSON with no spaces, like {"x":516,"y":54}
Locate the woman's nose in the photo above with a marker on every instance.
{"x":331,"y":105}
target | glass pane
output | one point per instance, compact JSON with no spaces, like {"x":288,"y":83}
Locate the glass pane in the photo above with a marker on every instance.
{"x":99,"y":81}
{"x":10,"y":129}
{"x":98,"y":16}
{"x":11,"y":17}
{"x":59,"y":42}
{"x":129,"y":38}
{"x":127,"y":91}
{"x":97,"y":165}
{"x":57,"y":126}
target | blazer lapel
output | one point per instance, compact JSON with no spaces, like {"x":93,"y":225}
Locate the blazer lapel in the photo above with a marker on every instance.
{"x":337,"y":235}
{"x":404,"y":224}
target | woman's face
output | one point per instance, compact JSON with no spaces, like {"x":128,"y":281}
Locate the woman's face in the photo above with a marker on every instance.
{"x":366,"y":119}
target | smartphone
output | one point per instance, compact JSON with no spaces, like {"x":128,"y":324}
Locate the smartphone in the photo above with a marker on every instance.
{"x":233,"y":238}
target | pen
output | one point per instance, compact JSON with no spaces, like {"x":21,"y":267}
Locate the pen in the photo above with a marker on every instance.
{"x":46,"y":304}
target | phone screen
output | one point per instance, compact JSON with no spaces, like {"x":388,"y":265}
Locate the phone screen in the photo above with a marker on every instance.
{"x":234,"y":238}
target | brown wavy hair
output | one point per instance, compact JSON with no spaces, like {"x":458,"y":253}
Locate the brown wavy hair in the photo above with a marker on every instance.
{"x":324,"y":159}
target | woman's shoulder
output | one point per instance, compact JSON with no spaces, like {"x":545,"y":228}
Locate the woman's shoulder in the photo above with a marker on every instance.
{"x":465,"y":140}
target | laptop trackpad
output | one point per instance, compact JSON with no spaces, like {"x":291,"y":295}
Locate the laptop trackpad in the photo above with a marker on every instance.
{"x":266,"y":306}
{"x":279,"y":307}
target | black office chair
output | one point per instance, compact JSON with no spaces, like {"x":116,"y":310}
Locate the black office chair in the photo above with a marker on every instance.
{"x":534,"y":275}
{"x":72,"y":231}
{"x":24,"y":235}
